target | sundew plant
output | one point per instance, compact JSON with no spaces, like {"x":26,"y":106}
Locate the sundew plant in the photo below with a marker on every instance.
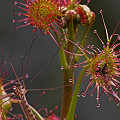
{"x":62,"y":60}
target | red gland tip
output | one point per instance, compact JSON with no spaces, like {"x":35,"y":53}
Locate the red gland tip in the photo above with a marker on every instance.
{"x":88,"y":46}
{"x":19,"y":14}
{"x":1,"y":50}
{"x":75,"y":65}
{"x":14,"y":87}
{"x":50,"y":111}
{"x":103,"y":47}
{"x":43,"y":92}
{"x":6,"y":111}
{"x":118,"y":37}
{"x":77,"y":43}
{"x":62,"y":67}
{"x":109,"y":98}
{"x":70,"y":80}
{"x":33,"y":31}
{"x":48,"y":32}
{"x":75,"y":116}
{"x":92,"y":46}
{"x":13,"y":21}
{"x":98,"y":105}
{"x":78,"y":95}
{"x":15,"y":3}
{"x":19,"y":115}
{"x":56,"y":107}
{"x":83,"y":94}
{"x":95,"y":31}
{"x":100,"y":11}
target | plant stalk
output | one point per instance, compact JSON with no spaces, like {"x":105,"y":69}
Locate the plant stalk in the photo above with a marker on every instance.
{"x":69,"y":72}
{"x":71,"y":111}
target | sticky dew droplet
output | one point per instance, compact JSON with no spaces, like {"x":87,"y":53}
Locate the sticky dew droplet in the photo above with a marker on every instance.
{"x":19,"y":14}
{"x":25,"y":22}
{"x":88,"y":46}
{"x":77,"y":43}
{"x":70,"y":80}
{"x":117,"y":86}
{"x":87,"y":71}
{"x":35,"y":26}
{"x":103,"y":47}
{"x":97,"y":98}
{"x":100,"y":63}
{"x":109,"y":98}
{"x":100,"y":11}
{"x":103,"y":52}
{"x":60,"y":43}
{"x":107,"y":43}
{"x":78,"y":95}
{"x":98,"y":105}
{"x":83,"y":95}
{"x":13,"y":21}
{"x":118,"y":104}
{"x":95,"y":31}
{"x":92,"y":46}
{"x":62,"y":67}
{"x":75,"y":65}
{"x":14,"y":87}
{"x":15,"y":3}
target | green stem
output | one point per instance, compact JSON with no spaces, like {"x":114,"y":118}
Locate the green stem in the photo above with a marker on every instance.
{"x":67,"y":92}
{"x":69,"y":73}
{"x":61,"y":52}
{"x":37,"y":115}
{"x":70,"y":36}
{"x":70,"y":115}
{"x":82,"y":42}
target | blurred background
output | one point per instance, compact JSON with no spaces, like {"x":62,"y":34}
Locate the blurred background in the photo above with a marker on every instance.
{"x":51,"y":76}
